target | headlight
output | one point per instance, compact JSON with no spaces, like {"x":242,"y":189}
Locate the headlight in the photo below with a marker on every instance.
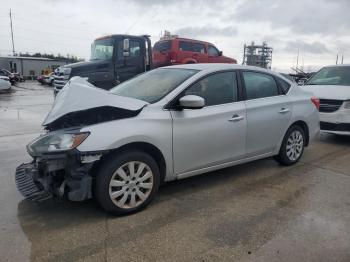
{"x":67,"y":71}
{"x":347,"y":104}
{"x":55,"y":142}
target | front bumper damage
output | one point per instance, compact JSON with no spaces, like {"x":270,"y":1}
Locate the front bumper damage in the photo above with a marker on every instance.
{"x":67,"y":175}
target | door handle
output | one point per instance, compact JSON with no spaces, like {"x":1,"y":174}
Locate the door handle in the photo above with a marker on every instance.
{"x":283,"y":110}
{"x":236,"y":118}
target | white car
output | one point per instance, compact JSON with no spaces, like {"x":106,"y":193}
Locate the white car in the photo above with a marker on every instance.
{"x":332,"y":86}
{"x":5,"y":83}
{"x":48,"y":79}
{"x":169,"y":123}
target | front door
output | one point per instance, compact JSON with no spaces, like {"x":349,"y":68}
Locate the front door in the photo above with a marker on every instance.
{"x":214,"y":134}
{"x":127,"y":67}
{"x":268,"y":113}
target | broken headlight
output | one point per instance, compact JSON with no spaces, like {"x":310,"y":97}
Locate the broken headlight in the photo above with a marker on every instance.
{"x":54,"y":142}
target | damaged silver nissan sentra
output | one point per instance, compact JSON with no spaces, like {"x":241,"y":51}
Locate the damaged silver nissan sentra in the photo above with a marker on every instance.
{"x":170,"y":123}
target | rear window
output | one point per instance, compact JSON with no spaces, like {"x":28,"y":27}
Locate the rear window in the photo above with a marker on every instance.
{"x":162,"y":46}
{"x":285,"y":86}
{"x":185,"y":46}
{"x":191,"y":47}
{"x":199,"y":48}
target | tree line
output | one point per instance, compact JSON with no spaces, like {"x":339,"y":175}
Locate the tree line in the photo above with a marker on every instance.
{"x":68,"y":58}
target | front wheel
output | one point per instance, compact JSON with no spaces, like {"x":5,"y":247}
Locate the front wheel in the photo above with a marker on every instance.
{"x":127,"y":183}
{"x":292,"y":147}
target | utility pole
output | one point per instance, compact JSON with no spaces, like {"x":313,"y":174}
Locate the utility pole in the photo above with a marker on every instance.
{"x":298,"y":58}
{"x":13,"y":44}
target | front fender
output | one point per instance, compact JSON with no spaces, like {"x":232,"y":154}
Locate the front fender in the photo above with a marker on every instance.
{"x":154,"y":130}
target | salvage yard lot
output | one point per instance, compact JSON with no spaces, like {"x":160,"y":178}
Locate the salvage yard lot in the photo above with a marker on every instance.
{"x":254,"y":212}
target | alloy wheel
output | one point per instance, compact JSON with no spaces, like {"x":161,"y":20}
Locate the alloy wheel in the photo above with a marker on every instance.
{"x":295,"y":145}
{"x":131,"y":184}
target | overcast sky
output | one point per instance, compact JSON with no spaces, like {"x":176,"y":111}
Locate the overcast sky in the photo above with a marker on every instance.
{"x":318,"y":28}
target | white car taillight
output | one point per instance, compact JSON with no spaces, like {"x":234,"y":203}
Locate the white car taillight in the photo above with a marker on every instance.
{"x":347,"y":104}
{"x":316,"y":102}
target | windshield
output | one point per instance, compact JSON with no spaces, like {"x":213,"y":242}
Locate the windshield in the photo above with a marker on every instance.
{"x":102,"y":49}
{"x":154,"y":85}
{"x":339,"y":75}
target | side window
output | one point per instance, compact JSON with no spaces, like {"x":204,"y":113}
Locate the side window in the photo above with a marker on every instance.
{"x":259,"y":85}
{"x":212,"y":51}
{"x":220,"y":88}
{"x":134,"y":48}
{"x":199,"y":48}
{"x":185,"y":46}
{"x":285,"y":86}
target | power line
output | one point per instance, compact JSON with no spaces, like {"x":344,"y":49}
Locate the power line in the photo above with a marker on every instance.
{"x":53,"y":34}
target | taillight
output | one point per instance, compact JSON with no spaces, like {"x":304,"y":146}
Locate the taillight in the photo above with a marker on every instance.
{"x":316,"y":102}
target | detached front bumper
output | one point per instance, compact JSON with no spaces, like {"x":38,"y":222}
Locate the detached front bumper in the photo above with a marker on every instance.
{"x":65,"y":175}
{"x":26,"y":174}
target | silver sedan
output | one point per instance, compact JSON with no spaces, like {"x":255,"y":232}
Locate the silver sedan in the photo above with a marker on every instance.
{"x":170,"y":123}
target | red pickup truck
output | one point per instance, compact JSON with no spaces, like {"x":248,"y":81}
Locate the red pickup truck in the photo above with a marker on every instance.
{"x":186,"y":51}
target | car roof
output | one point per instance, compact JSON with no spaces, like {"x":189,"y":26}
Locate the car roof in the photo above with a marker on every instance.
{"x":213,"y":67}
{"x":219,"y":66}
{"x":184,"y":39}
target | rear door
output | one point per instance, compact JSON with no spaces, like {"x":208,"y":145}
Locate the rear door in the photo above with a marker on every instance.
{"x":199,"y":53}
{"x":184,"y":53}
{"x":212,"y":135}
{"x":268,"y":112}
{"x":132,"y":65}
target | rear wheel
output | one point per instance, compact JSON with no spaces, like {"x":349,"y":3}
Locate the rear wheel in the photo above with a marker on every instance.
{"x":292,"y":147}
{"x":127,"y":183}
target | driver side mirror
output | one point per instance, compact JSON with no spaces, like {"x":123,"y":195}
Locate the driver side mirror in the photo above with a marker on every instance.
{"x":191,"y":102}
{"x":126,"y":47}
{"x":220,"y":53}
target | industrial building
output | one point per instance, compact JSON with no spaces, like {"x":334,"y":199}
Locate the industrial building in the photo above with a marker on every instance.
{"x":29,"y":66}
{"x":257,"y":55}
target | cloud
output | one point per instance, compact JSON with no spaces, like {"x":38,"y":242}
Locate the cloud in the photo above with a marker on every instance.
{"x":300,"y":16}
{"x":197,"y":31}
{"x":312,"y":48}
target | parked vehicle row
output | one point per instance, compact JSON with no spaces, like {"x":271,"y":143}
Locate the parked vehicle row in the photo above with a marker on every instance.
{"x":169,"y":123}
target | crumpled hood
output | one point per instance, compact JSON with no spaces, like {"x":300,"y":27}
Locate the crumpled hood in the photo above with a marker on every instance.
{"x":78,"y":95}
{"x":329,"y":91}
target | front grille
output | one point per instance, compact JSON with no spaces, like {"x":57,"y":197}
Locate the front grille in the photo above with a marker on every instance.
{"x":26,"y":185}
{"x":330,"y":105}
{"x":59,"y":81}
{"x":335,"y":127}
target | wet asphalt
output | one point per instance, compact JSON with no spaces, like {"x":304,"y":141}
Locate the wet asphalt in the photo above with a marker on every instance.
{"x":259,"y":211}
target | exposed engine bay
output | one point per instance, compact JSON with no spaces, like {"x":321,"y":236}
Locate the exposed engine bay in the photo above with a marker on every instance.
{"x":58,"y":168}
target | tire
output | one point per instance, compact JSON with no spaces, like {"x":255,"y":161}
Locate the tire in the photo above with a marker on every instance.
{"x":292,"y":147}
{"x":117,"y":191}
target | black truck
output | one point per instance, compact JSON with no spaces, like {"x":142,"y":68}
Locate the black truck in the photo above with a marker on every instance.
{"x":114,"y":59}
